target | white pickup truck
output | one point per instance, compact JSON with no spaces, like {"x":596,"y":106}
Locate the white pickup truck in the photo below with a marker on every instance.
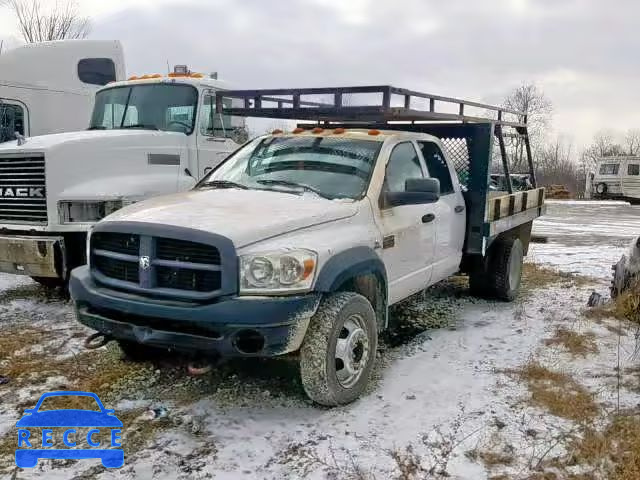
{"x":150,"y":135}
{"x":301,"y":240}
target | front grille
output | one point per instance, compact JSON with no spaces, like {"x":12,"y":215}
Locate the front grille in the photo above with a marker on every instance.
{"x":156,"y":263}
{"x":116,"y":242}
{"x":22,"y":190}
{"x":118,"y":269}
{"x":184,"y":279}
{"x":185,"y":251}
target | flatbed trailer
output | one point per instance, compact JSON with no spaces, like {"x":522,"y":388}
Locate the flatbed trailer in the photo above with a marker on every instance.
{"x":469,"y":134}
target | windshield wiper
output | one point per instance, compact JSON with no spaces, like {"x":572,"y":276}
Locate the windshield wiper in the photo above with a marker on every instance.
{"x":223,"y":184}
{"x":141,"y":125}
{"x":97,"y":127}
{"x":288,"y":183}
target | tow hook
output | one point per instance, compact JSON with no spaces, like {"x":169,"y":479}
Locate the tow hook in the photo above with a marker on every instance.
{"x":96,"y":340}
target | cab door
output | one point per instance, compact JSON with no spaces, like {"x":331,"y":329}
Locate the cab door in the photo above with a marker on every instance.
{"x":214,"y":135}
{"x":408,"y":230}
{"x":450,"y":222}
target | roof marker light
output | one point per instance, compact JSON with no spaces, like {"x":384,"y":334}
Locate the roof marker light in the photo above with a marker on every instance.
{"x":132,"y":77}
{"x":317,"y":130}
{"x":374,"y":132}
{"x":277,"y":131}
{"x":338,"y":131}
{"x":298,"y":130}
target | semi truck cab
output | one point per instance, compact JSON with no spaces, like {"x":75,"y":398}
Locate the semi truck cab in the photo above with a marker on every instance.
{"x":149,"y":135}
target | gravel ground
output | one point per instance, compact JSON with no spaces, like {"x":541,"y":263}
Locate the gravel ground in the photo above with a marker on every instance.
{"x":437,"y":391}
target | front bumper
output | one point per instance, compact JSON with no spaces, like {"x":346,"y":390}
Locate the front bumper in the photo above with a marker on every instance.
{"x":34,"y":256}
{"x":195,"y":328}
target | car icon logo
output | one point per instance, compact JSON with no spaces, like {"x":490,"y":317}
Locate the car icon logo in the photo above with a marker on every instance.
{"x":145,"y":262}
{"x":73,"y":422}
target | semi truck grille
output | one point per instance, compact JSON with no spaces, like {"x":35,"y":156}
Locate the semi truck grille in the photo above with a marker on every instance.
{"x":22,"y":190}
{"x":155,"y":264}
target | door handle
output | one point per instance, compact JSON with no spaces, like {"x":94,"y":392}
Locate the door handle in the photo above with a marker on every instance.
{"x":428,"y":218}
{"x":459,"y":209}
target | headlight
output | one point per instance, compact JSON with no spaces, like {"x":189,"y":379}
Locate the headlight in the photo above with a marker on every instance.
{"x":277,"y":272}
{"x":81,"y":211}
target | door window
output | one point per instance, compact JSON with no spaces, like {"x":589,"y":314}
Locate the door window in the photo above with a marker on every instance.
{"x":404,"y":164}
{"x":213,"y":124}
{"x":437,"y":166}
{"x":11,"y":121}
{"x":633,"y":169}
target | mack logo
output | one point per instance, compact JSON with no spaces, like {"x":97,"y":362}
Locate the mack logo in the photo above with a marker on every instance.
{"x":22,"y":192}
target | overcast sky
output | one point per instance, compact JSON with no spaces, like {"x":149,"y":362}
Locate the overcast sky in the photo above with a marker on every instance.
{"x":582,"y":53}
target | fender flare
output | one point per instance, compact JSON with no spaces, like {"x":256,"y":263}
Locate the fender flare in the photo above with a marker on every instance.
{"x":351,"y":263}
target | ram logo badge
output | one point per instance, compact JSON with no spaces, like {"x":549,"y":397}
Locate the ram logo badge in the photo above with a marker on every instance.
{"x":145,"y":263}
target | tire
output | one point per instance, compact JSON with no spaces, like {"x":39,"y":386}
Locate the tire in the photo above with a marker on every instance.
{"x":50,"y":282}
{"x":348,"y":318}
{"x":601,"y":189}
{"x":505,"y":268}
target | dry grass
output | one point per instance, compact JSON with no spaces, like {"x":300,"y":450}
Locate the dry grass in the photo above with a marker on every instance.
{"x":613,"y":453}
{"x":558,"y":393}
{"x":577,"y":344}
{"x":536,"y":276}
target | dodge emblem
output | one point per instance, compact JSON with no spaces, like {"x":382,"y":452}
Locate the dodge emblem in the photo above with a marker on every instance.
{"x":145,"y":263}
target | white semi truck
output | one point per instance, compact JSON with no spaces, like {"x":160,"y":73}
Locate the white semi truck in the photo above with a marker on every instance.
{"x":300,"y":240}
{"x":149,"y":135}
{"x":49,"y":87}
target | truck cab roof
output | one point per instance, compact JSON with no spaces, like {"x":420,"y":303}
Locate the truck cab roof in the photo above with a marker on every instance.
{"x":198,"y":80}
{"x":354,"y":133}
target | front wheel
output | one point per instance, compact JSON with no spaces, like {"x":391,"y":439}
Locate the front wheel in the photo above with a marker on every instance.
{"x":339,"y":349}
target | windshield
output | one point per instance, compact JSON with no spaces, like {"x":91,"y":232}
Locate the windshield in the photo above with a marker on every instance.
{"x":329,"y":166}
{"x":158,"y":106}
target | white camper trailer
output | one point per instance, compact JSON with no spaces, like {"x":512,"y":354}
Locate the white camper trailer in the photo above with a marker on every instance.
{"x":615,"y":178}
{"x":50,"y":87}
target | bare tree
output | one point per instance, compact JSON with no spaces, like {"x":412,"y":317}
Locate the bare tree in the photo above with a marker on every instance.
{"x":632,"y":142}
{"x":530,"y":100}
{"x":37,"y":24}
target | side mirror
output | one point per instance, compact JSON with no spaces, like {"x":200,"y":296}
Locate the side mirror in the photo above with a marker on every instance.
{"x":418,"y":191}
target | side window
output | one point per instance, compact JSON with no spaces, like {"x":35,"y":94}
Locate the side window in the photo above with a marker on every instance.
{"x":609,"y":169}
{"x":211,"y":123}
{"x":633,"y":169}
{"x":96,"y":71}
{"x":437,"y":166}
{"x":404,"y":164}
{"x":11,"y":121}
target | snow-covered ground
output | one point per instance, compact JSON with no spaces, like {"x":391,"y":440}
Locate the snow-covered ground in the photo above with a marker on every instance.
{"x":436,"y":396}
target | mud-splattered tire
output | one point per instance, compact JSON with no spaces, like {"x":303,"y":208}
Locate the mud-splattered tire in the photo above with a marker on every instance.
{"x":339,"y":349}
{"x":505,"y":268}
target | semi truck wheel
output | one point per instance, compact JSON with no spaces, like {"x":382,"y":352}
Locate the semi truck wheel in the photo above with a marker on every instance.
{"x":505,"y":268}
{"x":339,"y":349}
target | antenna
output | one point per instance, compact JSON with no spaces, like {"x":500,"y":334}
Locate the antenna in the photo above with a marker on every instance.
{"x":168,"y":68}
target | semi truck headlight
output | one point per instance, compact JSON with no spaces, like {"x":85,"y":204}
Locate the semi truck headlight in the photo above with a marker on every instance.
{"x":277,"y":272}
{"x":79,"y":211}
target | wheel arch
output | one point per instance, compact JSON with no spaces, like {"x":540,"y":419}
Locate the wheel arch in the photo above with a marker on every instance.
{"x":359,"y":270}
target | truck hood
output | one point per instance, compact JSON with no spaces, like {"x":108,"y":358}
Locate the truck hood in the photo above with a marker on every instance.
{"x":244,"y":216}
{"x":43,"y":143}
